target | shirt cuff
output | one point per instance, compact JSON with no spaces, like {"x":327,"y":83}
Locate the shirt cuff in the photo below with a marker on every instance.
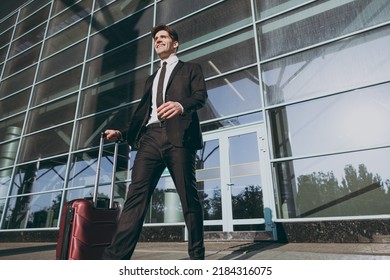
{"x":181,"y":106}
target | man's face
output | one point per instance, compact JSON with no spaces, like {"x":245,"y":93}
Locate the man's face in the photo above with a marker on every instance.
{"x":164,"y":45}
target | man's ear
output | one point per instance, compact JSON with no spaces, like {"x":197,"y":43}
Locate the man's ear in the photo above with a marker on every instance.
{"x":176,"y":44}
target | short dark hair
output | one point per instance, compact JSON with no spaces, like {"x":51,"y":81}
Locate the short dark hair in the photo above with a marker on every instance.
{"x":172,"y":32}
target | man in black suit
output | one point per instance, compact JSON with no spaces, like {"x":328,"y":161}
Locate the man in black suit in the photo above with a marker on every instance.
{"x":166,"y":135}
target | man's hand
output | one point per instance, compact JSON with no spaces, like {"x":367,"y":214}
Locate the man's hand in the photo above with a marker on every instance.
{"x":112,"y":135}
{"x":168,"y":110}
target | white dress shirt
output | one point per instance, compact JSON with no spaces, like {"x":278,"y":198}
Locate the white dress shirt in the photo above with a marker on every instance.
{"x":171,"y":63}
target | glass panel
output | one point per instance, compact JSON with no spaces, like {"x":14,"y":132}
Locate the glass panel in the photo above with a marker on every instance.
{"x":216,"y":21}
{"x":319,"y":22}
{"x":60,"y":5}
{"x":233,"y":121}
{"x":140,"y":23}
{"x":119,"y":61}
{"x":62,"y":61}
{"x":33,"y":211}
{"x":58,"y":86}
{"x":14,"y":104}
{"x":3,"y":55}
{"x":79,"y":193}
{"x":17,"y":82}
{"x":28,"y":40}
{"x":32,"y":22}
{"x":115,"y":92}
{"x":5,"y":181}
{"x":66,"y":38}
{"x":165,"y":206}
{"x":88,"y":130}
{"x":213,"y":56}
{"x":79,"y":11}
{"x":31,"y":8}
{"x":120,"y":33}
{"x":83,"y":167}
{"x":22,"y":61}
{"x":348,"y":121}
{"x":233,"y":94}
{"x":208,"y":175}
{"x":5,"y":38}
{"x":45,"y":144}
{"x":364,"y":57}
{"x":39,"y":176}
{"x":352,"y":184}
{"x":8,"y":149}
{"x":266,"y":8}
{"x":170,"y":10}
{"x":52,"y":114}
{"x":9,"y":22}
{"x":245,"y":177}
{"x":102,"y":3}
{"x":11,"y":128}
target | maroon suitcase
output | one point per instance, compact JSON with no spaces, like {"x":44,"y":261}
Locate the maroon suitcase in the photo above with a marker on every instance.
{"x":88,"y":225}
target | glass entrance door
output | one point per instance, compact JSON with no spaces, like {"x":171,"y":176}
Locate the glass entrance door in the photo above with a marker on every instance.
{"x":233,"y":181}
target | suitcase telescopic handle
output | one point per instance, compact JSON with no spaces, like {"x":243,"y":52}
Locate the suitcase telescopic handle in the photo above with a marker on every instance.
{"x":99,"y":163}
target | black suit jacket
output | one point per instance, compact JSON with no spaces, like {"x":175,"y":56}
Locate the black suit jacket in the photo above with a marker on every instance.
{"x":186,"y":85}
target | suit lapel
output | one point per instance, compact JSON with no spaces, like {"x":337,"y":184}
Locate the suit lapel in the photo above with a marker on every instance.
{"x":174,"y":72}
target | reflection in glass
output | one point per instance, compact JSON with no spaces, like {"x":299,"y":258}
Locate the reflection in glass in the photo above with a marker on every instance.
{"x":66,"y":38}
{"x":89,"y":129}
{"x":210,"y":194}
{"x":219,"y":20}
{"x":84,"y":164}
{"x":115,"y":92}
{"x":22,"y":61}
{"x":47,"y":143}
{"x":353,"y":120}
{"x":170,"y":10}
{"x":208,"y":176}
{"x":119,"y":61}
{"x":3,"y":54}
{"x":5,"y":38}
{"x":318,"y":22}
{"x":17,"y":82}
{"x":11,"y":127}
{"x":225,"y":54}
{"x":245,"y":177}
{"x":48,"y":115}
{"x":9,"y":147}
{"x":266,"y":8}
{"x":31,"y":8}
{"x":5,"y":181}
{"x":118,"y":10}
{"x":165,"y":206}
{"x":33,"y":211}
{"x":353,"y":184}
{"x":230,"y":121}
{"x":233,"y":94}
{"x":321,"y":71}
{"x":28,"y":40}
{"x":39,"y":176}
{"x":14,"y":104}
{"x":32,"y":21}
{"x":68,"y":58}
{"x":58,"y":86}
{"x":8,"y":23}
{"x":79,"y":11}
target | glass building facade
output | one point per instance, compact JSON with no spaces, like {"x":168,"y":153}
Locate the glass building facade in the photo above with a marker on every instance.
{"x":295,"y":126}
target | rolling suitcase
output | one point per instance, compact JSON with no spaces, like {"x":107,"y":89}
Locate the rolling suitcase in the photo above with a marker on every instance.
{"x":88,"y":225}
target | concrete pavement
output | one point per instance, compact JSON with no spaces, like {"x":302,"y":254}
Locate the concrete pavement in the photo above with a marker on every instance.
{"x":221,"y":250}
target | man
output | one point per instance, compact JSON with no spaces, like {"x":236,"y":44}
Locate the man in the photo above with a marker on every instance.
{"x":166,"y":135}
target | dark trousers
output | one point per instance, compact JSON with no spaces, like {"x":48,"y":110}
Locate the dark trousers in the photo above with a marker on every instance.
{"x":156,"y":153}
